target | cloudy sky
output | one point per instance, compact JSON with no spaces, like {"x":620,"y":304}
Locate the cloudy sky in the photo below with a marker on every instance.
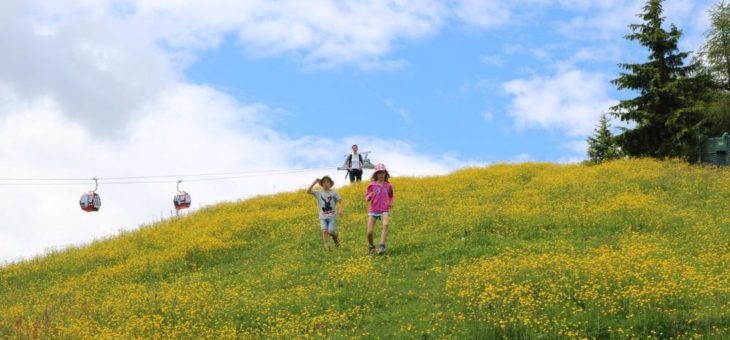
{"x":120,"y":88}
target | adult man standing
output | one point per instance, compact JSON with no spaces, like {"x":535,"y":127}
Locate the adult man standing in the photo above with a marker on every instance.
{"x":354,"y":165}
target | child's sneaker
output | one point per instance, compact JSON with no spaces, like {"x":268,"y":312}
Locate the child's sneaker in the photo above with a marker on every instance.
{"x":371,"y":250}
{"x":381,"y":249}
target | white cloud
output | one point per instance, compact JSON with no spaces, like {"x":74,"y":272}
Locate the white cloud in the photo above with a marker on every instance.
{"x":101,"y":60}
{"x":586,"y":19}
{"x":403,"y":160}
{"x":321,"y":33}
{"x":576,"y":151}
{"x":481,"y":85}
{"x":87,"y":90}
{"x":695,"y":33}
{"x":571,"y":101}
{"x":579,"y":146}
{"x":491,"y":60}
{"x":381,"y":65}
{"x":511,"y":49}
{"x":522,"y":158}
{"x":572,"y":159}
{"x":169,"y":137}
{"x":608,"y":20}
{"x":331,"y":32}
{"x":607,"y":52}
{"x":484,"y":13}
{"x":563,"y":56}
{"x":401,"y":111}
{"x":493,"y":14}
{"x":539,"y":53}
{"x":487,"y":115}
{"x":602,"y":19}
{"x":99,"y":71}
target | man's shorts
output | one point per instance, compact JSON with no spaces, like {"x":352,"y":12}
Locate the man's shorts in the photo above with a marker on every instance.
{"x":378,"y":215}
{"x":329,"y":224}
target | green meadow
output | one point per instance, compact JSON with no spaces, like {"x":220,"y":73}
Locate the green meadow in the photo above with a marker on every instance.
{"x":626,"y":249}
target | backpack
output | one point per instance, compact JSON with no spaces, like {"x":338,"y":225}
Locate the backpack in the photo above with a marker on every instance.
{"x":348,"y":162}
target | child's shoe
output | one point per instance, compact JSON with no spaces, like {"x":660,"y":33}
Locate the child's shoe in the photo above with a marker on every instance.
{"x":371,"y":250}
{"x":381,"y":249}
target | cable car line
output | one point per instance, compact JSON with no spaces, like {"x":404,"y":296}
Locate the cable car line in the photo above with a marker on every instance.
{"x":91,"y":201}
{"x":41,"y":184}
{"x":128,"y":179}
{"x":44,"y":179}
{"x":213,"y":174}
{"x":211,"y":179}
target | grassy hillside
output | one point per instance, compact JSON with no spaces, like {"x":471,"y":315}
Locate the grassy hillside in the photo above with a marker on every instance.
{"x":626,"y":249}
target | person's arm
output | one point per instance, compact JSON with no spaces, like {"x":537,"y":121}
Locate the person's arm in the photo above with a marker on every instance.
{"x":309,"y":191}
{"x":369,"y":193}
{"x":340,"y":206}
{"x":392,"y":197}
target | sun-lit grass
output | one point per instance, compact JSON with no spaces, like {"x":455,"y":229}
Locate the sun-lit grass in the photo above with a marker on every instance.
{"x":629,"y":249}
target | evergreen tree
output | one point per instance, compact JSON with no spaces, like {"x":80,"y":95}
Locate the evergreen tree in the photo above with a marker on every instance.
{"x":667,"y":112}
{"x":717,"y":116}
{"x":602,"y":145}
{"x":715,"y":52}
{"x":715,"y":56}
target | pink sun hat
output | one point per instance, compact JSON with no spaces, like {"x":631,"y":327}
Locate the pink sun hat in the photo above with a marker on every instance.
{"x":380,"y":167}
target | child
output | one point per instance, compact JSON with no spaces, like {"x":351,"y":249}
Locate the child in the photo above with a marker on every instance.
{"x":327,"y":200}
{"x":380,"y":196}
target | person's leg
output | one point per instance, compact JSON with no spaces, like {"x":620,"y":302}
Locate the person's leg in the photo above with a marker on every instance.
{"x":325,"y":234}
{"x":352,"y":176}
{"x":371,"y":226}
{"x":325,"y":237}
{"x":384,"y":233}
{"x":333,"y":232}
{"x":358,"y":176}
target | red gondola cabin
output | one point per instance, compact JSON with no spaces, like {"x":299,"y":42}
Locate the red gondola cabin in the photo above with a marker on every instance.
{"x":182,"y":200}
{"x":90,"y":202}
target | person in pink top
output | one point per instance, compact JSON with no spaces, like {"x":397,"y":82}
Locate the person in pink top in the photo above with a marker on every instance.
{"x":380,"y":196}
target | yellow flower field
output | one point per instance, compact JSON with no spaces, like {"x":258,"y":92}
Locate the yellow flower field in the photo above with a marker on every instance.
{"x":627,"y":249}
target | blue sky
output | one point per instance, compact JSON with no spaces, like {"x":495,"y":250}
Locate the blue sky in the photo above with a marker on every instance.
{"x":446,"y":96}
{"x":437,"y":99}
{"x":117,"y":88}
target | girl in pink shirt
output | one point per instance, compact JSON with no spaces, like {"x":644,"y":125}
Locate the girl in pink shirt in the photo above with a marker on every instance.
{"x":380,"y":196}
